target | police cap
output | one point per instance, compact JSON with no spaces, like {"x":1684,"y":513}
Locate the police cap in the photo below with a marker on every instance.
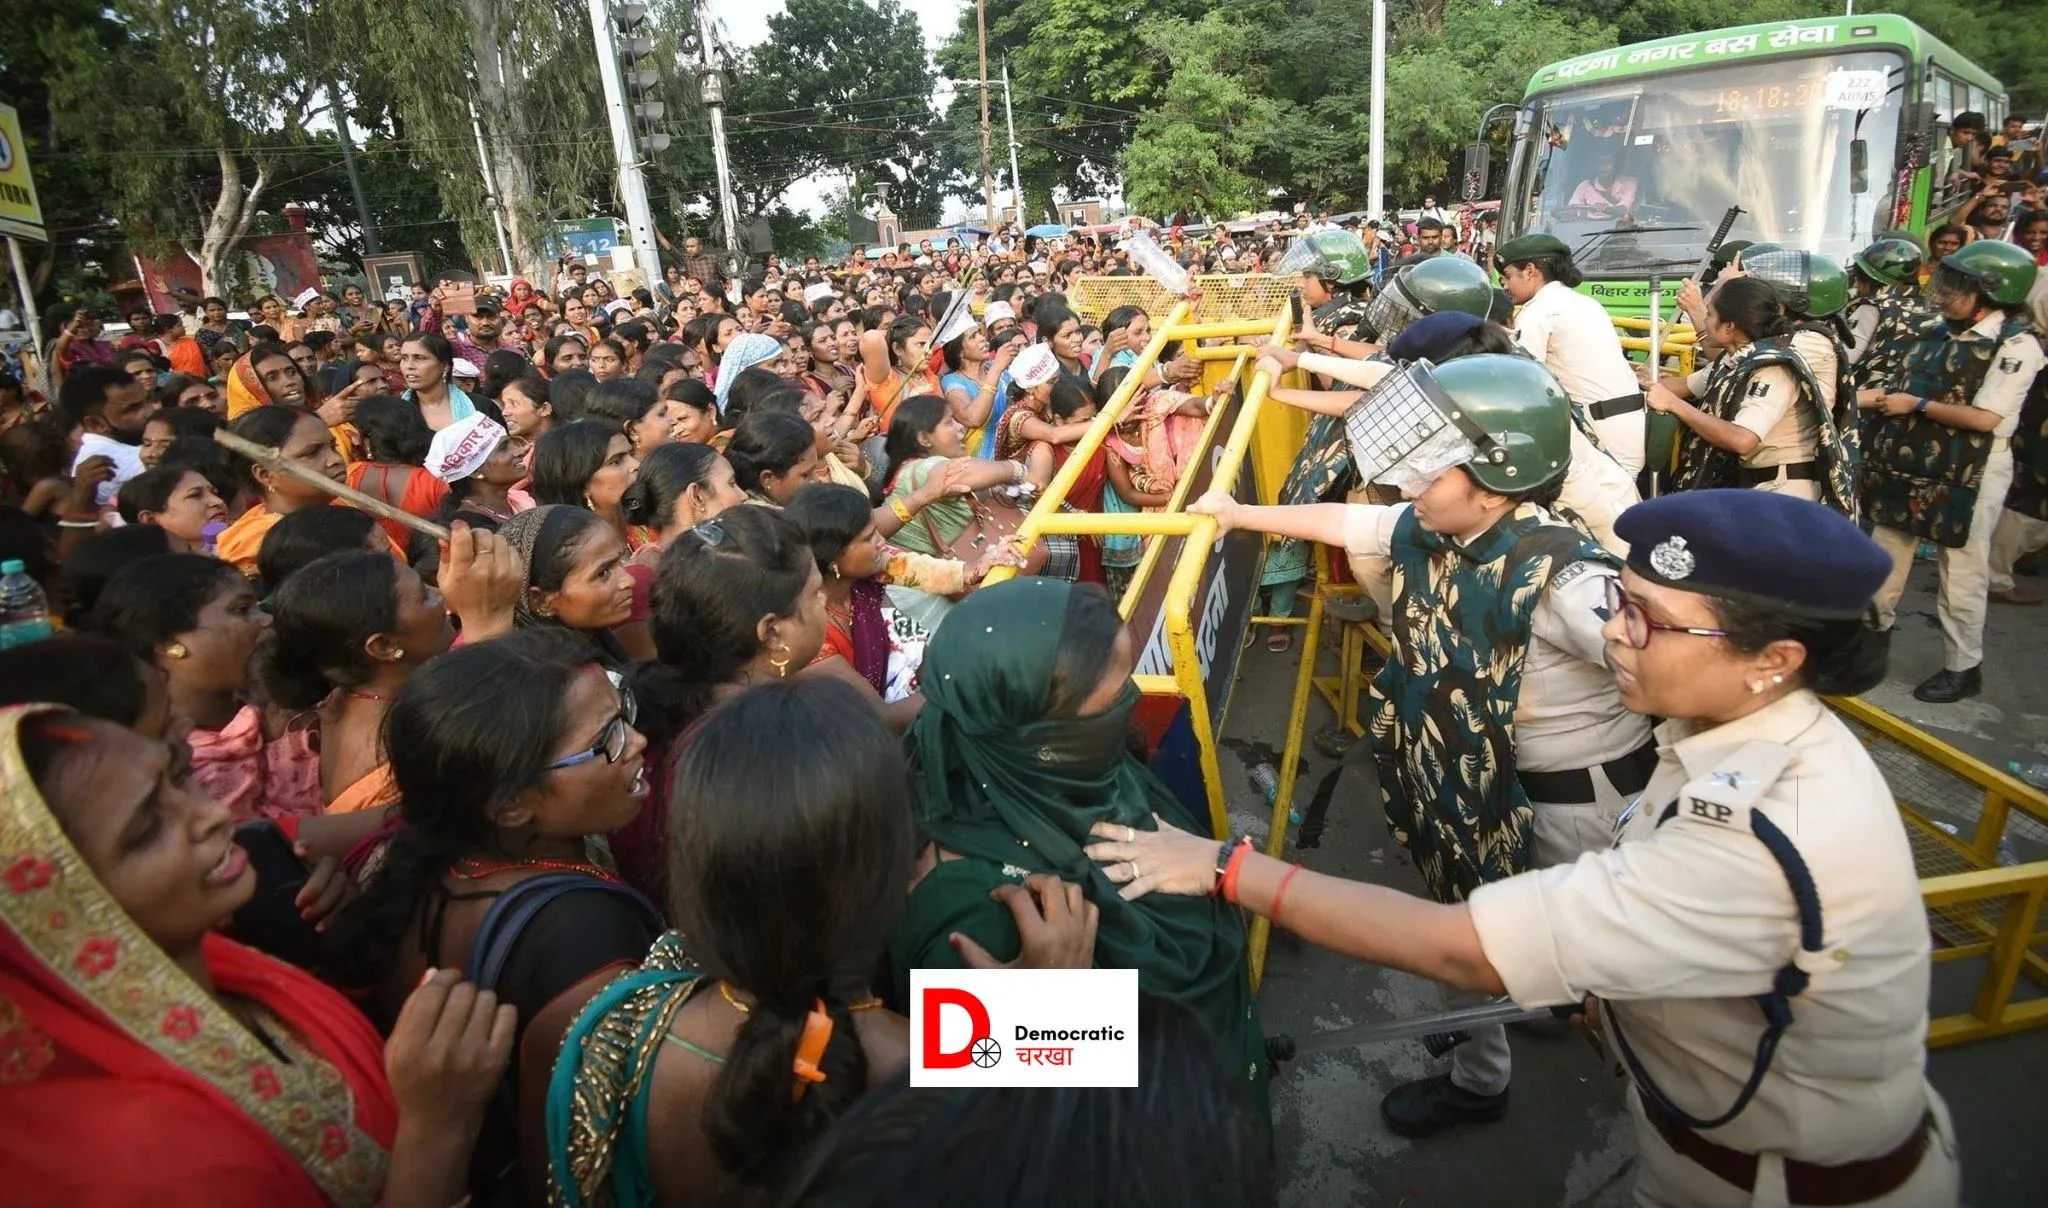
{"x":1532,"y":247}
{"x":1755,"y":546}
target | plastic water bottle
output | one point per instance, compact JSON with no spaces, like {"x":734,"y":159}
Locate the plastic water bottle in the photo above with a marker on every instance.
{"x":1266,"y":779}
{"x":24,"y":609}
{"x":2035,"y":774}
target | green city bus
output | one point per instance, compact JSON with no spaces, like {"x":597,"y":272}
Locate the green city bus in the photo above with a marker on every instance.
{"x":1826,"y":132}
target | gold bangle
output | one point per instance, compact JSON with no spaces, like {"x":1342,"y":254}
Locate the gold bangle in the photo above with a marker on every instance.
{"x":902,"y":513}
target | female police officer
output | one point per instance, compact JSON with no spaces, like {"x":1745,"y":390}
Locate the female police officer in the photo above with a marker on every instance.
{"x":1755,"y":936}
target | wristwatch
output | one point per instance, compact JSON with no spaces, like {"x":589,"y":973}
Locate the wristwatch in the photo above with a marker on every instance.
{"x":1920,"y":408}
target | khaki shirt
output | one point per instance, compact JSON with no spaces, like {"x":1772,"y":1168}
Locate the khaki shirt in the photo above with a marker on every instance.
{"x":1569,"y":714}
{"x":1572,"y":335}
{"x":1819,"y":354}
{"x":2013,"y":369}
{"x":1679,"y":924}
{"x":1786,"y":434}
{"x":1598,"y":491}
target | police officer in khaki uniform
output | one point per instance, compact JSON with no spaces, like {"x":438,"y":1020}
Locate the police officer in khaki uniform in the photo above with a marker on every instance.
{"x":1754,"y":942}
{"x":1478,"y":542}
{"x":1573,"y":336}
{"x":1967,"y":386}
{"x":1751,"y":416}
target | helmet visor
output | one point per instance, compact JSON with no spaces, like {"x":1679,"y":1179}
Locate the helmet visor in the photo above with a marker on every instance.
{"x":1301,"y":256}
{"x":1402,"y":434}
{"x":1392,"y":309}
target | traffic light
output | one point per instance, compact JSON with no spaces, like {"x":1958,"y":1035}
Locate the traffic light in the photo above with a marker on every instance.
{"x":638,"y":76}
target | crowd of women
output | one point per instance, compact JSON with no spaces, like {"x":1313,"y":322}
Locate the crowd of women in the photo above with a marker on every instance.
{"x":542,"y":836}
{"x":346,"y":862}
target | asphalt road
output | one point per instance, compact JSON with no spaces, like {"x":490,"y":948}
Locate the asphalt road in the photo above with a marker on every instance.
{"x":1563,"y":1142}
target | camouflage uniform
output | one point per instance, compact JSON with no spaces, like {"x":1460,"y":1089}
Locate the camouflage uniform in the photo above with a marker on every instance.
{"x":1900,"y":312}
{"x":1921,"y":476}
{"x":1443,"y":707}
{"x":1702,"y":464}
{"x":2029,"y":492}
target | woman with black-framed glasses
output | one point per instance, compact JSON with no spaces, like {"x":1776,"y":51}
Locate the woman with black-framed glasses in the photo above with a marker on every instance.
{"x":513,"y":759}
{"x":1754,"y":947}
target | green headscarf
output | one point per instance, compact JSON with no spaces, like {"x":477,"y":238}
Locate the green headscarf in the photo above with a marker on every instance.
{"x":998,"y":779}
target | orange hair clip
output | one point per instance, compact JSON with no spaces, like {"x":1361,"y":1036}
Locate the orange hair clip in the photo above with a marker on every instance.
{"x":810,"y":1049}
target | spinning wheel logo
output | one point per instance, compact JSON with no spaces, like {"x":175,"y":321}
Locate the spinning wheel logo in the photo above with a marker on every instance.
{"x":6,"y":152}
{"x":986,"y":1052}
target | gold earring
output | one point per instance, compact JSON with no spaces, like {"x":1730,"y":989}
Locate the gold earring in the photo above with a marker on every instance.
{"x":177,"y":650}
{"x":781,"y":665}
{"x":1777,"y":679}
{"x":1755,"y":688}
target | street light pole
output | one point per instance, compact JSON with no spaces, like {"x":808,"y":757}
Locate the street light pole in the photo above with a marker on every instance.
{"x":988,"y":189}
{"x":632,"y":184}
{"x":1010,"y":120}
{"x":1376,"y":176}
{"x":712,"y":81}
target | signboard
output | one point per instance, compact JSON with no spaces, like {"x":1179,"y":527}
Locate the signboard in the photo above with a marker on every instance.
{"x":590,"y":240}
{"x":284,"y":265}
{"x":20,"y":213}
{"x":392,"y":275}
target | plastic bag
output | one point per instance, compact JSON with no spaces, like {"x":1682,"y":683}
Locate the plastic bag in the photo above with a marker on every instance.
{"x":1157,"y":264}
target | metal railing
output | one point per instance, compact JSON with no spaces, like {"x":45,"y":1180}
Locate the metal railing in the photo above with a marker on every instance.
{"x":1197,"y":533}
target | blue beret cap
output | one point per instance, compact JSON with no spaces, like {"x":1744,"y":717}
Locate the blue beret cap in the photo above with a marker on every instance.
{"x":1757,"y":546}
{"x":1432,"y":335}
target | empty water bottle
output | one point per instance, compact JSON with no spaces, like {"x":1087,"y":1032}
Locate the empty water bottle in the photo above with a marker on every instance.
{"x":2035,"y":774}
{"x":24,"y":609}
{"x":1266,"y":779}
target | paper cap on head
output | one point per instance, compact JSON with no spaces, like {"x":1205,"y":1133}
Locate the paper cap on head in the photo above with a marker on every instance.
{"x":460,"y":449}
{"x":997,"y":312}
{"x":464,"y":367}
{"x":1035,"y":366}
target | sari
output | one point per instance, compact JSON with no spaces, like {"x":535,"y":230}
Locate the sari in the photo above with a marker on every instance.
{"x":1012,"y":791}
{"x":241,"y":542}
{"x":123,"y":1082}
{"x":246,"y":392}
{"x":276,"y":779}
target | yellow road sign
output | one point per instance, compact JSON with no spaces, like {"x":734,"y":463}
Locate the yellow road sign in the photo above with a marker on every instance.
{"x":20,"y":212}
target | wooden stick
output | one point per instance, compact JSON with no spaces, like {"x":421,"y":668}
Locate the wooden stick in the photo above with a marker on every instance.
{"x":276,"y":462}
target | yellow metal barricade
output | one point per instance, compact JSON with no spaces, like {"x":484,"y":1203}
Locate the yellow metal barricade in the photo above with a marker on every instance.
{"x":1198,"y":532}
{"x":1224,"y":296}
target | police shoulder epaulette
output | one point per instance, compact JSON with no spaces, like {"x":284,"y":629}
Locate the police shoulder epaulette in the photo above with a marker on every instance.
{"x":1724,"y":796}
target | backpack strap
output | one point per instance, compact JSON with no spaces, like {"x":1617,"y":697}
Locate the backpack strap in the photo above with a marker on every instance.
{"x":518,"y":906}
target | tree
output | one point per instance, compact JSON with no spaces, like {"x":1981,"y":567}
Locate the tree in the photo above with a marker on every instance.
{"x":1080,"y":80}
{"x":840,"y":85}
{"x":72,"y":180}
{"x":1192,"y":150}
{"x":221,"y":85}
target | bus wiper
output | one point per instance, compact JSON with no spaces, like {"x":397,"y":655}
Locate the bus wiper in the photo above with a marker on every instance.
{"x":1623,"y":229}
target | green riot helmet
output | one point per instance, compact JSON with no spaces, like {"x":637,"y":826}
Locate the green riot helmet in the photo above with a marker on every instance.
{"x":1809,"y":283}
{"x":1338,"y":256}
{"x":1888,"y":261}
{"x":2003,"y":272}
{"x":1504,"y":418}
{"x":1424,"y":288}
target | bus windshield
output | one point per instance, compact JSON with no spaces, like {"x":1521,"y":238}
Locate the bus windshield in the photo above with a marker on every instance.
{"x":1634,"y":175}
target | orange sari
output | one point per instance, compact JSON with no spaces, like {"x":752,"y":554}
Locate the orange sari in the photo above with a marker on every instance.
{"x":102,"y":1036}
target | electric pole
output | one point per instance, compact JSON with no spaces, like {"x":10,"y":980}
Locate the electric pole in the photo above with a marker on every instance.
{"x":712,"y":82}
{"x":355,"y":180}
{"x":632,"y":184}
{"x":988,"y":188}
{"x":1010,"y":120}
{"x":491,"y":199}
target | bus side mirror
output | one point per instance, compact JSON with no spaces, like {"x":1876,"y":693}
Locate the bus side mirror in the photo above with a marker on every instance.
{"x":1475,"y":171}
{"x":1859,"y":166}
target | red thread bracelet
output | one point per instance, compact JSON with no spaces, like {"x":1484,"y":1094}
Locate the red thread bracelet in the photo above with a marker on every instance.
{"x":1229,"y":883}
{"x":1280,"y":894}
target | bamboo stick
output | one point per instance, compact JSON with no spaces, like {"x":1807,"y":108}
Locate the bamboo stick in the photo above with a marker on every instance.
{"x":276,"y":462}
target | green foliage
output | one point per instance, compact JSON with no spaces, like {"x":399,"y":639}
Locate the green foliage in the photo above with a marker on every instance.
{"x":1193,"y":149}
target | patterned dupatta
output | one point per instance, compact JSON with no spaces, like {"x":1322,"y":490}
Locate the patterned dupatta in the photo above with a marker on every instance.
{"x":107,"y":1046}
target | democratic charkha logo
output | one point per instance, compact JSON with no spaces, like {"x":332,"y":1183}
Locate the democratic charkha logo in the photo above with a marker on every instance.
{"x":1063,"y":1027}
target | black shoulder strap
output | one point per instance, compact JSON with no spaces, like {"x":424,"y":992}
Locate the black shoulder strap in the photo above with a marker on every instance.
{"x":517,"y":906}
{"x":1787,"y":984}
